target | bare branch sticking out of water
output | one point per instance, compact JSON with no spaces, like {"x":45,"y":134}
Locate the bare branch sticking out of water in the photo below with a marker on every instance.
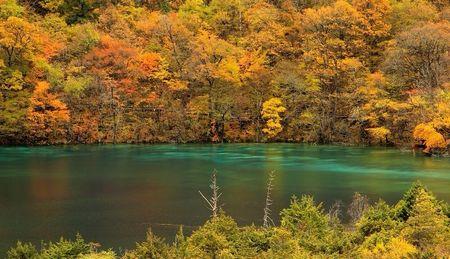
{"x":213,"y":202}
{"x":267,"y":220}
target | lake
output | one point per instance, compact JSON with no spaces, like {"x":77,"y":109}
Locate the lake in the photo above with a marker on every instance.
{"x":112,"y":193}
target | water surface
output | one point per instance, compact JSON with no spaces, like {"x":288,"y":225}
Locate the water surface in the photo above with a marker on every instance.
{"x":112,"y":194}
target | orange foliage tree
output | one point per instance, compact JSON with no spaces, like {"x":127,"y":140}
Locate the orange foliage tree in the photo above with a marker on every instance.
{"x":432,"y":140}
{"x":47,"y":116}
{"x":109,"y":63}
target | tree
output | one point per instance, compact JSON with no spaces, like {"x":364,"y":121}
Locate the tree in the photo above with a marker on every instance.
{"x":110,"y":64}
{"x":19,"y":47}
{"x":380,"y":134}
{"x":81,"y":39}
{"x":168,"y":35}
{"x":13,"y":116}
{"x":47,"y":116}
{"x":66,"y":248}
{"x":304,"y":4}
{"x":334,"y":42}
{"x":385,"y":114}
{"x":376,"y":29}
{"x":334,"y":47}
{"x":427,"y":226}
{"x":407,"y":14}
{"x":272,"y":31}
{"x":17,"y":40}
{"x":307,"y":221}
{"x":358,"y":206}
{"x":256,"y":79}
{"x":213,"y":202}
{"x":214,"y":239}
{"x":300,"y":91}
{"x":432,"y":140}
{"x":9,"y":8}
{"x":419,"y":58}
{"x":180,"y":244}
{"x":76,"y":11}
{"x":267,"y":220}
{"x":22,"y":250}
{"x":214,"y":69}
{"x":152,"y":247}
{"x":227,"y":17}
{"x":271,"y":111}
{"x":377,"y":219}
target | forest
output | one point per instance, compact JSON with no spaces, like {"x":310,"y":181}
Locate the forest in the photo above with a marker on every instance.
{"x":417,"y":226}
{"x":369,"y":72}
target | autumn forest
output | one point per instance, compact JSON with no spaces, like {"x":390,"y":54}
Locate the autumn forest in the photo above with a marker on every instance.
{"x":371,"y":72}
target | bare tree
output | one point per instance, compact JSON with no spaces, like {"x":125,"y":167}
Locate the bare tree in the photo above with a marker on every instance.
{"x":358,"y":206}
{"x":213,"y":202}
{"x":335,"y":211}
{"x":267,"y":220}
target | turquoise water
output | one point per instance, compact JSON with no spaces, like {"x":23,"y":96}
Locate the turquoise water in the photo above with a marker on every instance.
{"x":112,"y":194}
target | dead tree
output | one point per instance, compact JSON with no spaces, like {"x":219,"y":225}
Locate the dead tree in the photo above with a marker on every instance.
{"x":267,"y":220}
{"x":213,"y":202}
{"x":334,"y":213}
{"x":358,"y":206}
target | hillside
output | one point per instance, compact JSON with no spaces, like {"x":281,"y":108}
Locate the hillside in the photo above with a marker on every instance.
{"x":322,"y":71}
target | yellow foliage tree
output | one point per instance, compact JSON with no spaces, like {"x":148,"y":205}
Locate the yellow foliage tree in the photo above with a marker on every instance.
{"x":379,"y":133}
{"x":17,"y":40}
{"x":271,"y":113}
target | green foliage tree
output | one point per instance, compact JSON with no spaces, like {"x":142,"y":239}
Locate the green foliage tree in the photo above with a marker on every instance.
{"x":152,"y":247}
{"x":427,"y":226}
{"x":22,"y":251}
{"x":214,"y":239}
{"x":308,"y":222}
{"x":408,"y":13}
{"x":10,"y":8}
{"x":378,"y":218}
{"x":66,"y":249}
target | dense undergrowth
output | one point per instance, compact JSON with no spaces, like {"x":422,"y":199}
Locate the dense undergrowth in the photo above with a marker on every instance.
{"x":417,"y":226}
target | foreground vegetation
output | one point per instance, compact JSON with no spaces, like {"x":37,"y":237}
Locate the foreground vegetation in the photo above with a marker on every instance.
{"x":102,"y":71}
{"x":417,"y":226}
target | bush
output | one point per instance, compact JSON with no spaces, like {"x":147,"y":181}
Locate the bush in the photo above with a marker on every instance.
{"x":393,"y":248}
{"x":66,"y":249}
{"x":22,"y":251}
{"x":215,"y":238}
{"x":99,"y":255}
{"x":379,"y":217}
{"x":152,"y":247}
{"x":404,"y":207}
{"x":308,"y":222}
{"x":304,"y":217}
{"x":252,"y":240}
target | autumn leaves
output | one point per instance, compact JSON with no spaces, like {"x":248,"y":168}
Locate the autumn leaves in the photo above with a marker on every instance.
{"x":359,"y":71}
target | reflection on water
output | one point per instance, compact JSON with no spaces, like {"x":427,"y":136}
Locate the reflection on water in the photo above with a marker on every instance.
{"x":111,"y":194}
